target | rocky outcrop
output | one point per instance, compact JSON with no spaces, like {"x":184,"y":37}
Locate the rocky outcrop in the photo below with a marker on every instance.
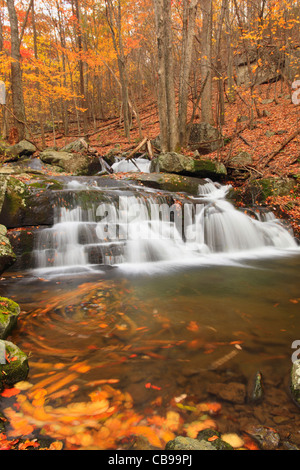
{"x":26,"y":205}
{"x":173,"y":162}
{"x":7,"y":255}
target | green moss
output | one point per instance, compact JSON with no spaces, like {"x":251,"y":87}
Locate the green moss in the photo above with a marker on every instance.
{"x":16,"y":193}
{"x":9,"y":312}
{"x":16,"y":367}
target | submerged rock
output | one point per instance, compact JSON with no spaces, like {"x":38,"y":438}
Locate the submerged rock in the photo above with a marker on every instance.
{"x":9,"y":312}
{"x":187,"y":443}
{"x":214,"y":438}
{"x":15,"y":368}
{"x":267,"y":438}
{"x":234,"y":392}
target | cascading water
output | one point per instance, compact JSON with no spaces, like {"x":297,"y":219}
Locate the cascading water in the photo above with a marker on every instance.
{"x":137,"y":226}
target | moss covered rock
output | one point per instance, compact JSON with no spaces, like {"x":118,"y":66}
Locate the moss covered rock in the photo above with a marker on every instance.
{"x":7,"y":256}
{"x":259,"y":190}
{"x":14,"y":366}
{"x":9,"y":312}
{"x":26,"y":205}
{"x":173,"y":162}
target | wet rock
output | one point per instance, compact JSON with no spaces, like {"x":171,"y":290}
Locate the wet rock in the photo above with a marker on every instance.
{"x":216,"y":440}
{"x":233,"y":392}
{"x":9,"y":312}
{"x":16,"y":367}
{"x":26,"y":205}
{"x":267,"y":438}
{"x":173,"y":162}
{"x":169,"y":182}
{"x":255,"y":389}
{"x":187,"y":443}
{"x":7,"y":255}
{"x":295,"y":382}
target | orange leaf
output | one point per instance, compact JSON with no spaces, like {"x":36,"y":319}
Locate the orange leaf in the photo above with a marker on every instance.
{"x":10,"y":392}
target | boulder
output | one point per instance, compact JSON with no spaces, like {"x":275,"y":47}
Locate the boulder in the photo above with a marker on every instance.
{"x":16,"y":368}
{"x":240,"y":160}
{"x":79,"y":145}
{"x":13,"y":152}
{"x":173,"y":162}
{"x":9,"y":312}
{"x":74,"y":163}
{"x":204,"y":138}
{"x":7,"y":256}
{"x":265,"y":66}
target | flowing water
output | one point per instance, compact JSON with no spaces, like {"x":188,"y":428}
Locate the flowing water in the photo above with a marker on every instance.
{"x":153,"y":295}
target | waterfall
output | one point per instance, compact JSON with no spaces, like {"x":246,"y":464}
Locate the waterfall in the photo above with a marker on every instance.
{"x":93,"y":227}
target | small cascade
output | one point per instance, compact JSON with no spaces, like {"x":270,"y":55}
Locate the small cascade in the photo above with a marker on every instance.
{"x":95,"y":227}
{"x":139,"y":164}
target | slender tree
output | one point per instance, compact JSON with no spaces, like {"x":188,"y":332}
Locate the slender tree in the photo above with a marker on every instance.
{"x":169,"y":138}
{"x":206,"y":62}
{"x":16,"y":72}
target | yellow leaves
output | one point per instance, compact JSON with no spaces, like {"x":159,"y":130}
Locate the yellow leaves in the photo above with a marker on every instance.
{"x":173,"y":420}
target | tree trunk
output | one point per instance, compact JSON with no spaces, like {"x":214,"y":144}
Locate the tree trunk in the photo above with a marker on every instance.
{"x":188,"y":32}
{"x":81,"y":74}
{"x":166,"y":94}
{"x":16,"y":73}
{"x":114,"y":18}
{"x":206,"y":69}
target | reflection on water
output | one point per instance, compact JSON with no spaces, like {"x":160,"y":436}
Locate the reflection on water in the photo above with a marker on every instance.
{"x":152,"y":337}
